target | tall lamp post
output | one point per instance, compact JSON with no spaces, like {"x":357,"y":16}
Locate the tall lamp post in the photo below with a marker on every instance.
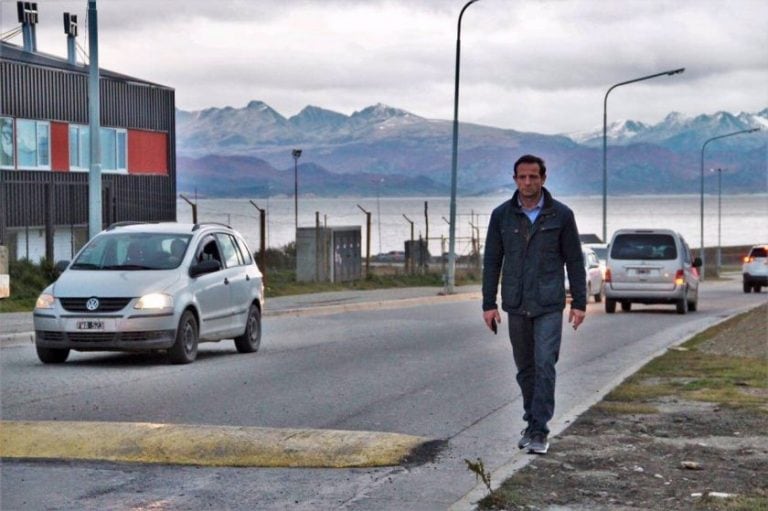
{"x":452,"y":228}
{"x":719,"y":217}
{"x":296,"y":155}
{"x":701,"y":202}
{"x":605,"y":140}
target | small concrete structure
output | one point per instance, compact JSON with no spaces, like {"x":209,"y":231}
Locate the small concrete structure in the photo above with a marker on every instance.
{"x":5,"y":279}
{"x":328,"y":254}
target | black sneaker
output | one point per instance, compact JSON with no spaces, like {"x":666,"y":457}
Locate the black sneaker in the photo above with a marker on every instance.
{"x":538,"y":444}
{"x":525,"y":439}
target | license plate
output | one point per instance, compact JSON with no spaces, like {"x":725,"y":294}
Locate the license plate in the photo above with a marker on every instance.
{"x":91,"y":324}
{"x":643,"y":272}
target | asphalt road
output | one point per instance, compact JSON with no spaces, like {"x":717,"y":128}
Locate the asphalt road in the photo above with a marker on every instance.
{"x":430,"y":370}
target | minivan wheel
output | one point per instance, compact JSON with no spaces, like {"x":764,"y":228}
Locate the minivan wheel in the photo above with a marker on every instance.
{"x":52,"y":355}
{"x":610,"y":306}
{"x":626,"y":306}
{"x":184,"y":350}
{"x":250,"y":341}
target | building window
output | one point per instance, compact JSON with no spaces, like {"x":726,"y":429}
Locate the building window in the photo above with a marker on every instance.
{"x":79,"y":154}
{"x":114,"y":146}
{"x":32,"y":144}
{"x":6,"y":143}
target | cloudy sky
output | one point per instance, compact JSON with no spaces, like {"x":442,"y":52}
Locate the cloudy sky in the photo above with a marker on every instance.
{"x":529,"y":65}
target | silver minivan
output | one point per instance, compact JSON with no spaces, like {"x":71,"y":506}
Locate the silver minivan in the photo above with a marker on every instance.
{"x":145,"y":287}
{"x":651,"y":266}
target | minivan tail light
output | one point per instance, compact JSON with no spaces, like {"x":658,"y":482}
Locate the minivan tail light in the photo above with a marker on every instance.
{"x":607,"y":277}
{"x":679,"y":278}
{"x":748,"y":259}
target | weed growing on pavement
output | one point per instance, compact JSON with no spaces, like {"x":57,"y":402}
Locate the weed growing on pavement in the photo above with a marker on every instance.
{"x":480,"y":473}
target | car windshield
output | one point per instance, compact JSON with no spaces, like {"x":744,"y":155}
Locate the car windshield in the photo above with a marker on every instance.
{"x":759,"y":252}
{"x":133,"y":251}
{"x":644,"y":246}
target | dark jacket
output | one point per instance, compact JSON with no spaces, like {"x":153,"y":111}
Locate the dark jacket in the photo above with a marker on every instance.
{"x":529,"y":257}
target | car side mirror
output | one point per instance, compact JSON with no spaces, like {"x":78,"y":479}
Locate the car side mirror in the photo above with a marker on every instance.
{"x":696,"y":262}
{"x":204,"y":267}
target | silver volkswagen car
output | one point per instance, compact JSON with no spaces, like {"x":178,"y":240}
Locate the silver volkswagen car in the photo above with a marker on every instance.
{"x":162,"y":286}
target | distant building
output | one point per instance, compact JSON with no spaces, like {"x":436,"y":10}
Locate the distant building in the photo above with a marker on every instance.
{"x":44,"y":152}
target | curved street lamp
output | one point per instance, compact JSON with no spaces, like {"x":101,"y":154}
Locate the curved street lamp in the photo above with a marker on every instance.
{"x":701,"y":205}
{"x":605,"y":140}
{"x":452,"y":228}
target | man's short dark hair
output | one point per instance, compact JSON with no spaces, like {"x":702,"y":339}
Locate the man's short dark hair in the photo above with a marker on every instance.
{"x":529,"y":158}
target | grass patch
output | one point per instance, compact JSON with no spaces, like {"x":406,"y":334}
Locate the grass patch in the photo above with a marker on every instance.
{"x":27,"y":281}
{"x":509,"y":494}
{"x":740,"y":503}
{"x":699,"y":375}
{"x":626,"y":408}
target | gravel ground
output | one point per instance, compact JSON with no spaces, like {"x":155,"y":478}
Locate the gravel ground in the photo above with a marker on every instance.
{"x":676,"y":449}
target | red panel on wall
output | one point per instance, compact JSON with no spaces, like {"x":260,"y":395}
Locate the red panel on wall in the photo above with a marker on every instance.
{"x":147,"y":152}
{"x":60,"y":146}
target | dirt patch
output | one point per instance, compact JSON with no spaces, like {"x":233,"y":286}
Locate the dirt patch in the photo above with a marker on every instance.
{"x":688,"y":431}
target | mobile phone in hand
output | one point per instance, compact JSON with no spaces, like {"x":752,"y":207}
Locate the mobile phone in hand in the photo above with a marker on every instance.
{"x":494,"y":327}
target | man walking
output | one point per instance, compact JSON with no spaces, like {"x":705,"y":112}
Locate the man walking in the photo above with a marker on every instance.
{"x":530,"y":238}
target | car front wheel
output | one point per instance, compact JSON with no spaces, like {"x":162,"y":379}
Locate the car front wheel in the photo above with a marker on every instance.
{"x":184,"y":350}
{"x":52,"y":355}
{"x":250,"y":341}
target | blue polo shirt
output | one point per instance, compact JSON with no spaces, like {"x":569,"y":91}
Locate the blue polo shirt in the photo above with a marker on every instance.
{"x":532,"y":213}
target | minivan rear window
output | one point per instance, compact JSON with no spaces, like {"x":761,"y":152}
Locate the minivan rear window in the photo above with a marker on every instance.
{"x":759,"y":252}
{"x":644,"y":246}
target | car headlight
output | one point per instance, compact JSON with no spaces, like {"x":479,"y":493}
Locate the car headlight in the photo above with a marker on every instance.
{"x":154,"y":301}
{"x":44,"y":301}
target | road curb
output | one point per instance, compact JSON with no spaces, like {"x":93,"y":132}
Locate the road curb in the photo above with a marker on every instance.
{"x":217,"y":446}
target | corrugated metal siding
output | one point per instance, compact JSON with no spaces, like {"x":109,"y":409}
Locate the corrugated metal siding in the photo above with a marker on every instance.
{"x":140,"y":198}
{"x":33,"y":92}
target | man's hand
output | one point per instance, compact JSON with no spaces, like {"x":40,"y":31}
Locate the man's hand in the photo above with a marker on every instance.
{"x":489,"y":316}
{"x":576,"y":317}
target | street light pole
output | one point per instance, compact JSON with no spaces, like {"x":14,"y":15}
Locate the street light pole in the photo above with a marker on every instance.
{"x":701,"y":201}
{"x":605,"y":140}
{"x":296,"y":155}
{"x":719,"y":206}
{"x":452,"y":228}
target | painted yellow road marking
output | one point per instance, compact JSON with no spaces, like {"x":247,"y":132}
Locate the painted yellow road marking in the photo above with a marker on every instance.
{"x":176,"y":444}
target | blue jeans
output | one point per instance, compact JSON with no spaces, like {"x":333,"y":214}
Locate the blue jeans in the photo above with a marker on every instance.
{"x":536,"y":347}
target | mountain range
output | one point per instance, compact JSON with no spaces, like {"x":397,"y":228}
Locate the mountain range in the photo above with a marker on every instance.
{"x":380,"y":149}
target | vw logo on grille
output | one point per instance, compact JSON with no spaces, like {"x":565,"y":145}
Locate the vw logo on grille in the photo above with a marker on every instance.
{"x":92,"y":304}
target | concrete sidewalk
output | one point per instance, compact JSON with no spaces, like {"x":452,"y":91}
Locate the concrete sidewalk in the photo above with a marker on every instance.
{"x":16,"y":328}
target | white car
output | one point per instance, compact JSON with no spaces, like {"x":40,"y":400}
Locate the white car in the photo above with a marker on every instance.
{"x":601,"y":250}
{"x":651,"y":266}
{"x":594,"y":275}
{"x":754,"y":271}
{"x":143,"y":287}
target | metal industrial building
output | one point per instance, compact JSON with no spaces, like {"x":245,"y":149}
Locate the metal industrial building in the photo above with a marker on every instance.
{"x":44,"y":152}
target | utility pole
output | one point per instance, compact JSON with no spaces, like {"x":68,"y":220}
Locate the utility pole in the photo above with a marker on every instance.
{"x":194,"y":208}
{"x":367,"y":241}
{"x":94,"y":122}
{"x":409,"y":259}
{"x":262,"y":241}
{"x":426,"y":230}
